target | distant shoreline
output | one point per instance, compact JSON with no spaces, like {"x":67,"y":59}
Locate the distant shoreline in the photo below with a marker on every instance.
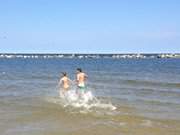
{"x":90,"y":55}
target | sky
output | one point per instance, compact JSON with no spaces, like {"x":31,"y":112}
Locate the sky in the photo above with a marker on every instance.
{"x":89,"y":26}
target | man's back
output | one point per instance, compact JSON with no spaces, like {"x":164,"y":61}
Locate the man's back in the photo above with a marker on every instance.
{"x":65,"y":82}
{"x":81,"y":78}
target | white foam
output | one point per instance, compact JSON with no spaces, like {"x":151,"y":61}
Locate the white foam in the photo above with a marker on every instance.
{"x":87,"y":101}
{"x":73,"y":96}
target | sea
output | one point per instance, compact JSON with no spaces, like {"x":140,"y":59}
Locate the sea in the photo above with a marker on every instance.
{"x":122,"y":97}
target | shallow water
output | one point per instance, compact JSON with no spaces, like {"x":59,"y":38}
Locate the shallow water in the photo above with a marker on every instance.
{"x":130,"y":96}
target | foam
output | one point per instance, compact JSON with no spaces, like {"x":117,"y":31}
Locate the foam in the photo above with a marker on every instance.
{"x":84,"y":101}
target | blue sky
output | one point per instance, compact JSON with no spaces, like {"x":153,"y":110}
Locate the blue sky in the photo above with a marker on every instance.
{"x":89,"y":26}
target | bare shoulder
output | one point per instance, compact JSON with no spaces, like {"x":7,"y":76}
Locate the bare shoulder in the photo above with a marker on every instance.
{"x":62,"y":78}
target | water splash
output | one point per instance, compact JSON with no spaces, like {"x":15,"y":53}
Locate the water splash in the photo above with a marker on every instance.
{"x":84,"y":102}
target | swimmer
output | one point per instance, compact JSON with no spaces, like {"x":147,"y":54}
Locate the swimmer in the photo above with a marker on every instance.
{"x":64,"y":82}
{"x":80,"y":79}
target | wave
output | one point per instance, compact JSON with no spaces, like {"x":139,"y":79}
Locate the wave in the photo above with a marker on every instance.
{"x":144,"y":82}
{"x":131,"y":83}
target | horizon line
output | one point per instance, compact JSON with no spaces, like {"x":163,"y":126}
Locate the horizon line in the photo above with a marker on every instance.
{"x":107,"y":53}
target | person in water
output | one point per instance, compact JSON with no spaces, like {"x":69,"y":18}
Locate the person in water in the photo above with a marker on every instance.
{"x":80,"y":79}
{"x":64,"y":82}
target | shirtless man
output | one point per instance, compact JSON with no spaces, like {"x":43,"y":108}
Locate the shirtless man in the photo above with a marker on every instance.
{"x":64,"y":82}
{"x":80,"y":78}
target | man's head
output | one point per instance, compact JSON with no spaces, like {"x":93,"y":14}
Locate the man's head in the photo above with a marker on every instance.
{"x":79,"y":70}
{"x":64,"y":73}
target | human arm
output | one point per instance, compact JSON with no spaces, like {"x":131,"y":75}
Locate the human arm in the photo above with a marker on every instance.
{"x":70,"y":81}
